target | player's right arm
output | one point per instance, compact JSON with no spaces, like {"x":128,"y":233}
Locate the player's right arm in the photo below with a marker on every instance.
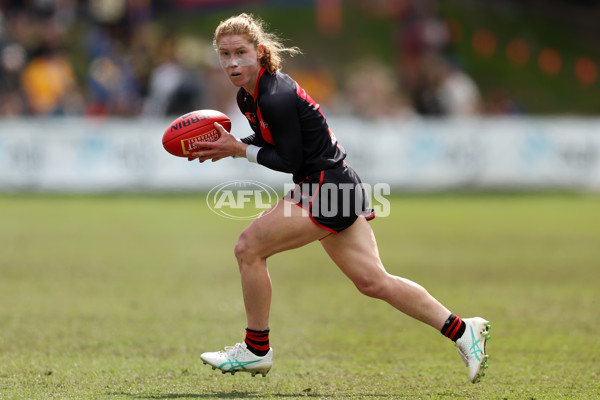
{"x":226,"y":146}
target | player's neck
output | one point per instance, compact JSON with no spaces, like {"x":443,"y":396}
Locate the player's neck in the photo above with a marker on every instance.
{"x":252,"y":86}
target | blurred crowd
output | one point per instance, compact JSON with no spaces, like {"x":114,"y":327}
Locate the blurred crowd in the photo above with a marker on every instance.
{"x":425,"y":78}
{"x":99,"y":58}
{"x":108,"y":58}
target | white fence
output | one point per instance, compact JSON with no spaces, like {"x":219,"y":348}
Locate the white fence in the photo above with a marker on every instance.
{"x":79,"y":155}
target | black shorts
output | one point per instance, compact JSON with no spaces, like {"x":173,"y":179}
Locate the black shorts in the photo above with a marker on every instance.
{"x":334,"y":197}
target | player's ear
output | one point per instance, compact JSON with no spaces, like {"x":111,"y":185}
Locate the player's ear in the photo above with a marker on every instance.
{"x":261,"y":51}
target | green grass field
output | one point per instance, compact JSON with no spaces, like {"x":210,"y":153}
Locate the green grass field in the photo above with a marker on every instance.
{"x":115,"y":297}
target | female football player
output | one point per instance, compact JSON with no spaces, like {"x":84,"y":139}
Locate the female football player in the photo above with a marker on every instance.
{"x":291,"y":135}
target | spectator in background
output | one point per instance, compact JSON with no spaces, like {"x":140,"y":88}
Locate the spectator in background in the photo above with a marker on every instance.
{"x":424,"y":90}
{"x":371,"y":91}
{"x":175,"y":87}
{"x":458,"y":93}
{"x":12,"y":61}
{"x":417,"y":32}
{"x":13,"y":57}
{"x":113,"y":87}
{"x":444,"y":90}
{"x":48,"y":80}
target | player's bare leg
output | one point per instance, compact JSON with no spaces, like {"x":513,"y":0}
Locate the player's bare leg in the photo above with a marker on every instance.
{"x":286,"y":226}
{"x":355,"y":252}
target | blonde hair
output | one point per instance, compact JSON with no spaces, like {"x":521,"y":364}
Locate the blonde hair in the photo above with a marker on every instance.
{"x":253,"y":29}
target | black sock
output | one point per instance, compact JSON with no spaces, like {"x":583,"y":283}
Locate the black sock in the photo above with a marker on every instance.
{"x":453,"y":328}
{"x":257,"y":342}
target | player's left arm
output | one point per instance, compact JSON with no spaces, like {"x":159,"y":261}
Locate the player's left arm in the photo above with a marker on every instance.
{"x":281,"y":115}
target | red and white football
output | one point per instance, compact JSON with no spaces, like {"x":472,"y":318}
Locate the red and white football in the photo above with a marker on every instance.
{"x":196,"y":126}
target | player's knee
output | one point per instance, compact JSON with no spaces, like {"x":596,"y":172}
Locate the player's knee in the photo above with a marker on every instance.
{"x":241,"y":248}
{"x":244,"y":250}
{"x":371,"y":286}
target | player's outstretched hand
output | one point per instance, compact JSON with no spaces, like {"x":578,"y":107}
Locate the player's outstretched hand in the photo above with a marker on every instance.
{"x":225,"y":146}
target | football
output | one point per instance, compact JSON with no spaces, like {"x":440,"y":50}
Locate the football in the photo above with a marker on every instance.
{"x":197,"y":126}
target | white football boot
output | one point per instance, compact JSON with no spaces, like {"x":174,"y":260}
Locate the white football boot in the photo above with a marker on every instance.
{"x":239,"y":358}
{"x":471,"y":347}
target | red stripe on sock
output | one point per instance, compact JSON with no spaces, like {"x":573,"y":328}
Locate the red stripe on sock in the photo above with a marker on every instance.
{"x":455,"y":331}
{"x":257,"y":340}
{"x":452,"y":325}
{"x":257,"y":336}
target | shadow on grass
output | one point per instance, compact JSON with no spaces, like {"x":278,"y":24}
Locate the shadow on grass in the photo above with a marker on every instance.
{"x":231,"y":395}
{"x":217,"y":395}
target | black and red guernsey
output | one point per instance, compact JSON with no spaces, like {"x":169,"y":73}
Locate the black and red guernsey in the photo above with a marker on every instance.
{"x":289,"y":127}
